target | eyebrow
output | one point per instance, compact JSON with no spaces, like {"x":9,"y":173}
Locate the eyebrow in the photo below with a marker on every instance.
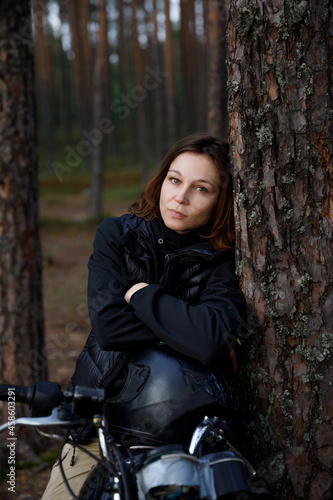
{"x":198,"y":180}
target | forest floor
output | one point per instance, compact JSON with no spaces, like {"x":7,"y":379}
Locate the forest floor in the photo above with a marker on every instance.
{"x":66,"y":236}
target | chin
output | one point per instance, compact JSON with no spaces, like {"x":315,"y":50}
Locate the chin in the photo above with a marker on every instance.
{"x":175,"y":227}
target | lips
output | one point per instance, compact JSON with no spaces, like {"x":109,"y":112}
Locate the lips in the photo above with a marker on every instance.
{"x":176,"y":214}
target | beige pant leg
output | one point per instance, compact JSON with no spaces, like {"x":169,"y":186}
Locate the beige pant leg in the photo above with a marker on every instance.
{"x":76,"y":474}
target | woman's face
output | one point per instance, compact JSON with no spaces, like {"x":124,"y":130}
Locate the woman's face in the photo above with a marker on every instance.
{"x":189,"y":192}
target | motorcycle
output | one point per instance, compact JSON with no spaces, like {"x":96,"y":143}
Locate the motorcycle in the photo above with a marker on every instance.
{"x":209,"y":468}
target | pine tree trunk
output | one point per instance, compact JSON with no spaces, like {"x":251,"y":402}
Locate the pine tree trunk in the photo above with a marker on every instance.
{"x":66,"y":110}
{"x":159,"y":132}
{"x":217,"y":90}
{"x":140,"y":109}
{"x":100,"y":89}
{"x":280,"y":111}
{"x":44,"y":80}
{"x":202,"y":55}
{"x":170,"y":80}
{"x":87,"y":60}
{"x":81,"y":65}
{"x":21,"y":317}
{"x":127,"y":126}
{"x":188,"y":63}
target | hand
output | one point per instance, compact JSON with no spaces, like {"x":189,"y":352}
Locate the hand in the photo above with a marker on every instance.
{"x":132,"y":290}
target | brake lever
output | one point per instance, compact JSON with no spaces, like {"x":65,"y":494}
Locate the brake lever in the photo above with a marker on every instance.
{"x":52,"y":419}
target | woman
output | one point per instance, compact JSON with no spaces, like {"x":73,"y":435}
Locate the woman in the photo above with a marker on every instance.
{"x":162,"y":293}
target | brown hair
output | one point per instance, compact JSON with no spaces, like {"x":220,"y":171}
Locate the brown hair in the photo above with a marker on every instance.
{"x":221,"y":235}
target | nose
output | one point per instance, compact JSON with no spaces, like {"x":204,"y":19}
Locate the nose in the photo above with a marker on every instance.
{"x":182,"y":196}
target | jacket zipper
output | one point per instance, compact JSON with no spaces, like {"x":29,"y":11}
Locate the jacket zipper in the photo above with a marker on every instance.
{"x":191,"y":253}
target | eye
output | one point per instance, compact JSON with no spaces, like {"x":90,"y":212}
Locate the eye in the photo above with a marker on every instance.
{"x":174,"y":180}
{"x":202,"y":189}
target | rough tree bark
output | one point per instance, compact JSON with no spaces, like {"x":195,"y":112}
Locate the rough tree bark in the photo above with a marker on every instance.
{"x":21,"y":317}
{"x":280,"y":111}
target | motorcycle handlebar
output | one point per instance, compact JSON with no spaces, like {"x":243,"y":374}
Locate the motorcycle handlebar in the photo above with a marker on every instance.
{"x":22,"y":394}
{"x":42,"y":397}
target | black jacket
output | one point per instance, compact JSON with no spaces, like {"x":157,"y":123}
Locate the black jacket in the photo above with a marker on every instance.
{"x":193,"y":303}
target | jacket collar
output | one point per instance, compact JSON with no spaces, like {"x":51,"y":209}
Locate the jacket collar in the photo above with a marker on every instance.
{"x":155,"y":232}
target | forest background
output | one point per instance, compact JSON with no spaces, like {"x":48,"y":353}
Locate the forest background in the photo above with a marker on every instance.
{"x":116,"y":83}
{"x":123,"y":80}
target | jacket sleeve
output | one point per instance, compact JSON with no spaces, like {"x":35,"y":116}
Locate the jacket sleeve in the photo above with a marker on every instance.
{"x":114,"y":322}
{"x":206,"y":331}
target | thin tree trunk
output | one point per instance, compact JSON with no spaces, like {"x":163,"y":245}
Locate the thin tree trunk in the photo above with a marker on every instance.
{"x":22,"y":358}
{"x":217,"y":76}
{"x":139,"y":96}
{"x":188,"y":54}
{"x":87,"y":60}
{"x":127,"y":127}
{"x":82,"y":74}
{"x":280,"y":103}
{"x":65,"y":99}
{"x":202,"y":65}
{"x":170,"y":79}
{"x":160,"y":143}
{"x":67,"y":91}
{"x":44,"y":80}
{"x":147,"y":101}
{"x":101,"y":86}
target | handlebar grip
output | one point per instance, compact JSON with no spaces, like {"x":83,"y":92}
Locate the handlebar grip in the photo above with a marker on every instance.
{"x":41,"y":397}
{"x":22,"y":394}
{"x":47,"y":395}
